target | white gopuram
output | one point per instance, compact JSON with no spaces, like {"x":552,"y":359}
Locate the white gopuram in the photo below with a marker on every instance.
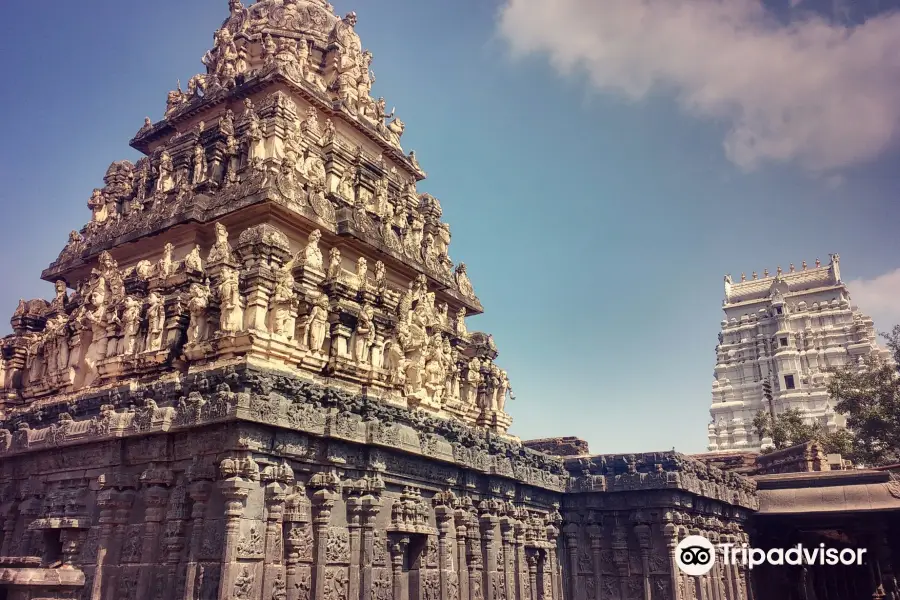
{"x":787,"y":330}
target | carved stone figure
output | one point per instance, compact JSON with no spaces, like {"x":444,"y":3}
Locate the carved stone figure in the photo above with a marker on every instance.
{"x":362,"y":271}
{"x":345,"y":186}
{"x":165,"y":180}
{"x":192,"y":262}
{"x":311,"y":256}
{"x":131,"y":325}
{"x":364,"y":335}
{"x":253,"y":134}
{"x":166,"y":266}
{"x":462,"y":281}
{"x":284,"y":300}
{"x":315,"y":324}
{"x":199,"y":159}
{"x":461,"y":330}
{"x":380,"y":277}
{"x":198,"y":306}
{"x":221,"y":250}
{"x":334,"y":264}
{"x":231,"y":311}
{"x":98,"y":205}
{"x":156,"y":321}
{"x":330,"y":132}
{"x":311,"y":123}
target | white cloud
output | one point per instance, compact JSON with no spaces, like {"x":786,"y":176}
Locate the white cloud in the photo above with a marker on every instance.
{"x":811,"y":92}
{"x":879,"y":298}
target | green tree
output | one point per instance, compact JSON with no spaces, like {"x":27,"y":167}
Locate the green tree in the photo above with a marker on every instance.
{"x":870,"y":400}
{"x":790,"y":429}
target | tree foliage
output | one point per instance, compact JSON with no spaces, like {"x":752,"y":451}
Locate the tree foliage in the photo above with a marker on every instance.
{"x":790,"y":428}
{"x":870,"y":399}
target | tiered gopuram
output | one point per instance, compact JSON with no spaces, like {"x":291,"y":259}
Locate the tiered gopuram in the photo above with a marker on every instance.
{"x":255,"y":380}
{"x":787,"y":330}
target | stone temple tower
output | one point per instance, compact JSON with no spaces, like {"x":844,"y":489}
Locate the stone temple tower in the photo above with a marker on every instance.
{"x":256,"y":381}
{"x":783,"y":332}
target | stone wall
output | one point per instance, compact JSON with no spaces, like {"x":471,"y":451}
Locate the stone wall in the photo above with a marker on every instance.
{"x":247,"y":485}
{"x":624,"y":516}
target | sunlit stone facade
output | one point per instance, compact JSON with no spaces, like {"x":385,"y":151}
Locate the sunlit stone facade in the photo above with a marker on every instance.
{"x":787,"y":329}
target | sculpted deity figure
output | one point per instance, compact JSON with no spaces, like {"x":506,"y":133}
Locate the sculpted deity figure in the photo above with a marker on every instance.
{"x":502,"y":390}
{"x":315,"y":324}
{"x":95,"y":320}
{"x":364,"y":335}
{"x":473,"y":378}
{"x":165,"y":180}
{"x":345,"y":186}
{"x":232,"y":317}
{"x":270,"y":50}
{"x":395,"y":131}
{"x":362,"y":271}
{"x":243,"y":585}
{"x":253,"y":134}
{"x":143,"y":270}
{"x":461,"y":330}
{"x":131,"y":325}
{"x":302,"y":53}
{"x":345,"y":36}
{"x":380,"y":278}
{"x":226,"y":123}
{"x":198,"y":305}
{"x":443,"y":314}
{"x":284,"y":300}
{"x":413,"y":237}
{"x":199,"y":175}
{"x":381,"y":196}
{"x":51,"y":341}
{"x":314,"y":169}
{"x":334,"y":263}
{"x":429,"y":252}
{"x":156,"y":322}
{"x":462,"y":281}
{"x":330,"y":132}
{"x":98,"y":206}
{"x":61,"y":300}
{"x":311,"y":257}
{"x":174,"y":100}
{"x":311,"y":123}
{"x":166,"y":266}
{"x":413,"y":160}
{"x":142,"y":178}
{"x":221,"y":250}
{"x":192,"y":262}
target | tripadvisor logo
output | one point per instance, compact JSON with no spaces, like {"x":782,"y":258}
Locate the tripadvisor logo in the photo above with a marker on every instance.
{"x":695,"y":555}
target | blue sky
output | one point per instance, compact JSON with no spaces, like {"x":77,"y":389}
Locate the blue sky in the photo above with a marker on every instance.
{"x":596,"y":208}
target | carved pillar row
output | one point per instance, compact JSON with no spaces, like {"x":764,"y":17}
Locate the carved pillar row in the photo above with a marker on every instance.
{"x":555,"y":575}
{"x":371,"y":507}
{"x":234,"y":491}
{"x":532,"y":575}
{"x":670,"y":536}
{"x":476,"y":560}
{"x":173,"y":539}
{"x":522,"y":589}
{"x":199,"y":492}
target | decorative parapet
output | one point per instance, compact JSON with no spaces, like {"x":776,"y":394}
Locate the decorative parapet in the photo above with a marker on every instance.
{"x":559,"y":446}
{"x":659,"y":471}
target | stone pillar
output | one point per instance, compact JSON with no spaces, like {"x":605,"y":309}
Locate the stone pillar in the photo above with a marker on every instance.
{"x":371,"y":507}
{"x":274,"y":550}
{"x":173,"y":539}
{"x":488,"y":525}
{"x":532,"y":575}
{"x":475,"y":559}
{"x":199,"y":492}
{"x":570,"y":532}
{"x":522,"y":588}
{"x":507,"y":533}
{"x":354,"y":523}
{"x":555,"y":576}
{"x":715,"y":575}
{"x":670,"y":536}
{"x":595,"y":534}
{"x":323,"y":502}
{"x":298,"y":540}
{"x":124,"y":504}
{"x":444,"y":516}
{"x":107,"y":500}
{"x":234,"y":491}
{"x":642,"y":532}
{"x":9,"y":526}
{"x":155,"y":497}
{"x":398,"y":551}
{"x":461,"y":519}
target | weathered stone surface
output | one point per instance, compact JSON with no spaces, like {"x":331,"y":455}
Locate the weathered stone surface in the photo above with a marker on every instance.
{"x":559,"y":446}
